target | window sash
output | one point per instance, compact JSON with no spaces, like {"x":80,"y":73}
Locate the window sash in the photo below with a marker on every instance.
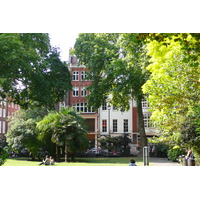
{"x":75,"y":76}
{"x":82,"y":107}
{"x":125,"y":125}
{"x":147,"y":122}
{"x":104,"y":107}
{"x":104,"y":125}
{"x":114,"y":125}
{"x":83,"y":92}
{"x":75,"y":91}
{"x":83,"y":75}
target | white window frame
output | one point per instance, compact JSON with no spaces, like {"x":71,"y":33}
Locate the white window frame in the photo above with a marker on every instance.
{"x":75,"y":92}
{"x":82,"y":107}
{"x":1,"y":110}
{"x":147,"y":121}
{"x":104,"y":106}
{"x":4,"y":112}
{"x":83,"y":92}
{"x":145,"y":104}
{"x":61,"y":105}
{"x":4,"y":127}
{"x":75,"y":76}
{"x":83,"y":75}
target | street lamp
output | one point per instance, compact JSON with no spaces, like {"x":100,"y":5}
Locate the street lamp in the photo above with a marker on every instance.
{"x":109,"y":108}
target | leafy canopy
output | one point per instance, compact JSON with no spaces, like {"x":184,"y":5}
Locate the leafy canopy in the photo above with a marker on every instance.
{"x":65,"y":127}
{"x":31,"y":70}
{"x":173,"y":87}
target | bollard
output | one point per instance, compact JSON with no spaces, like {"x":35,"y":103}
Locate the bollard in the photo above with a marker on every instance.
{"x":146,"y":156}
{"x":185,"y":162}
{"x":191,"y":162}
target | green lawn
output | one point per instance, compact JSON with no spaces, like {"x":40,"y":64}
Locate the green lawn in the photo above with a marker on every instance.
{"x":118,"y":161}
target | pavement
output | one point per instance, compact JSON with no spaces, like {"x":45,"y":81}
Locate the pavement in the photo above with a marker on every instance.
{"x":162,"y":162}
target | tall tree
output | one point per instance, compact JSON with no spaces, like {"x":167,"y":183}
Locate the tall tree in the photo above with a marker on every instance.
{"x":173,"y":87}
{"x":117,"y":66}
{"x":31,"y":70}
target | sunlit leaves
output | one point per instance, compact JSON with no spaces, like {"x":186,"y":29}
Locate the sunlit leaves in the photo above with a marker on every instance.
{"x":173,"y":87}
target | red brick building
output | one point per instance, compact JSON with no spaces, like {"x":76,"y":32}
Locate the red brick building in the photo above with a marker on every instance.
{"x":6,"y":109}
{"x":77,"y":97}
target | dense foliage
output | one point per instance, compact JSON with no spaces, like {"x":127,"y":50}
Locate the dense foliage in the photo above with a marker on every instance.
{"x":117,"y":67}
{"x":3,"y":156}
{"x":65,"y":128}
{"x":31,"y":70}
{"x":22,"y":131}
{"x":174,"y":153}
{"x":173,"y":87}
{"x":3,"y":150}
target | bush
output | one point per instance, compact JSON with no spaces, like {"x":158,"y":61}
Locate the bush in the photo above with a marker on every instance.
{"x":174,"y":153}
{"x":161,"y":150}
{"x":197,"y":161}
{"x":3,"y":156}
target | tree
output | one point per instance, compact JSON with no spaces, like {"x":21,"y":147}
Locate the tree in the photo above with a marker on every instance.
{"x":173,"y":87}
{"x":117,"y":66}
{"x":65,"y":128}
{"x":22,"y":131}
{"x":29,"y":68}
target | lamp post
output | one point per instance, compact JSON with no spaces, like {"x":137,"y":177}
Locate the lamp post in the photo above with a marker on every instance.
{"x":109,"y":108}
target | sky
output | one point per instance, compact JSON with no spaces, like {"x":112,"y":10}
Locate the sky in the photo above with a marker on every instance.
{"x":63,"y":40}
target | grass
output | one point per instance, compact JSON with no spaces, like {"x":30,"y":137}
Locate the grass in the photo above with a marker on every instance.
{"x":104,"y":161}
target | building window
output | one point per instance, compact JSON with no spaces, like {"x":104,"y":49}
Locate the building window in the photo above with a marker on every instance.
{"x":75,"y":91}
{"x":83,"y":75}
{"x":114,"y":125}
{"x":3,"y":102}
{"x":61,"y":105}
{"x":145,"y":104}
{"x":125,"y":125}
{"x":0,"y":112}
{"x":75,"y":76}
{"x":83,"y":92}
{"x":0,"y":127}
{"x":104,"y":106}
{"x":104,"y":125}
{"x":4,"y":127}
{"x":82,"y":107}
{"x":12,"y":105}
{"x":4,"y":112}
{"x":147,"y":121}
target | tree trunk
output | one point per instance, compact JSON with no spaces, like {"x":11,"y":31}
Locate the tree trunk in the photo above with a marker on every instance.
{"x":65,"y":151}
{"x":57,"y":153}
{"x":141,"y":128}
